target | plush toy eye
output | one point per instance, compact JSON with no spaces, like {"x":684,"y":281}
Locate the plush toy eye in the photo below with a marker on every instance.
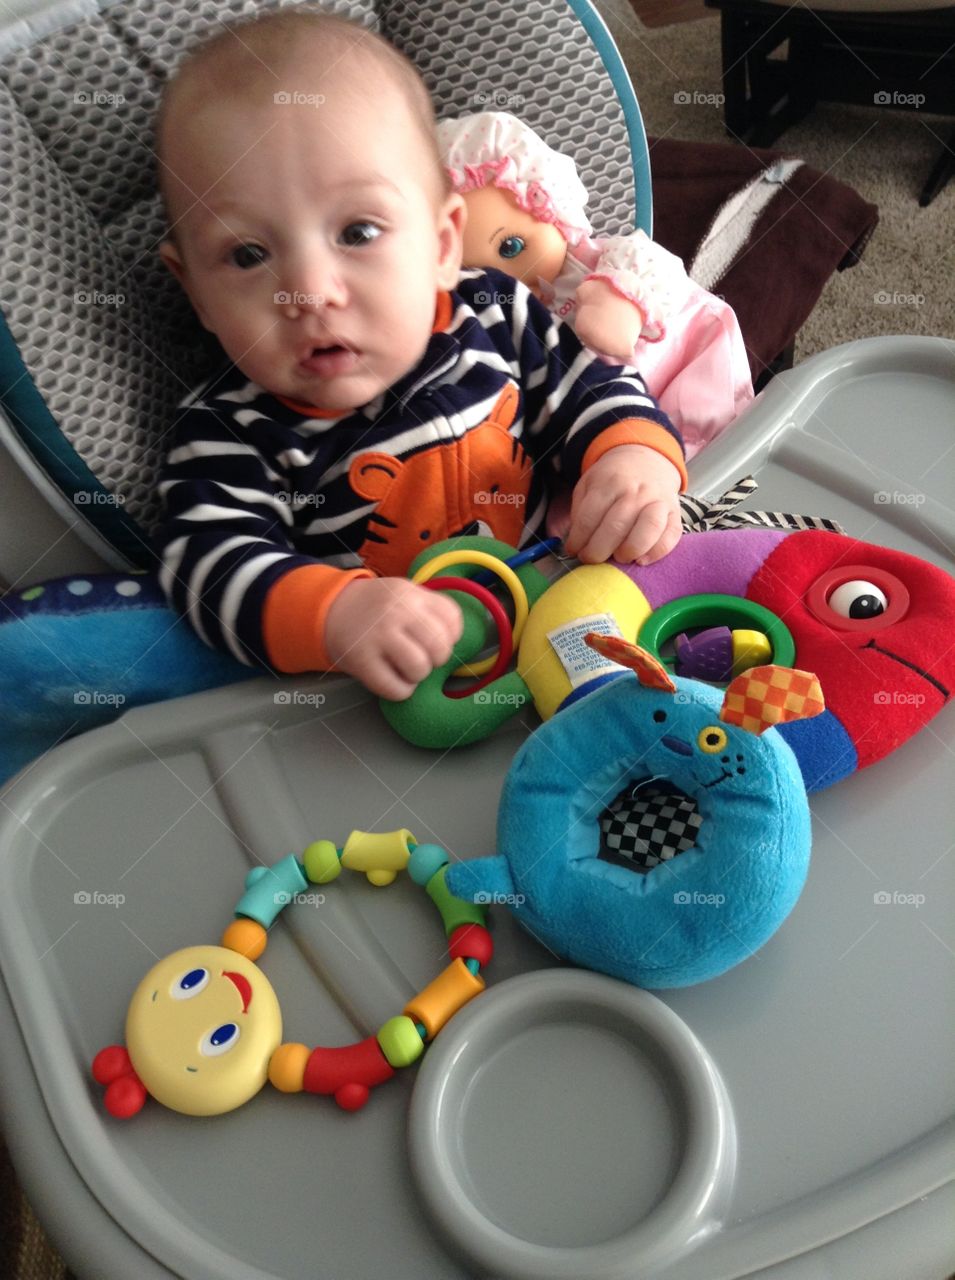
{"x":511,"y":246}
{"x":711,"y":739}
{"x":219,"y":1041}
{"x":858,"y":599}
{"x":190,"y":984}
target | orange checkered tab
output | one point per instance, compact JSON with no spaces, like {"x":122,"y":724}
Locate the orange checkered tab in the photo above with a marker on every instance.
{"x":764,"y":696}
{"x":651,"y":673}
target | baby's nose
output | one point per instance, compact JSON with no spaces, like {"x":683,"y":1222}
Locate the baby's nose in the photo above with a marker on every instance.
{"x":313,"y":286}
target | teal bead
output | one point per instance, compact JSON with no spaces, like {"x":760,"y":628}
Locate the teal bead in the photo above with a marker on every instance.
{"x":425,"y":860}
{"x":269,"y":889}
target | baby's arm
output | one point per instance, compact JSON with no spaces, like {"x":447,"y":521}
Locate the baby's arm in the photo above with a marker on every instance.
{"x":603,"y":433}
{"x":229,"y":567}
{"x":388,"y":633}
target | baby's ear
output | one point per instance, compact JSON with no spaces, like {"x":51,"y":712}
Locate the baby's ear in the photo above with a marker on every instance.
{"x":452,"y":218}
{"x":169,"y":252}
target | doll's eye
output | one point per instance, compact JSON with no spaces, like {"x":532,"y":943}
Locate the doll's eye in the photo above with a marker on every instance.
{"x":219,"y":1041}
{"x":711,"y":739}
{"x":511,"y":246}
{"x":189,"y":984}
{"x":358,"y":233}
{"x":245,"y":256}
{"x":858,"y":599}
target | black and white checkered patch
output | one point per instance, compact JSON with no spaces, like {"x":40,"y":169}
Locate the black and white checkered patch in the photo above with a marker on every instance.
{"x":648,"y":823}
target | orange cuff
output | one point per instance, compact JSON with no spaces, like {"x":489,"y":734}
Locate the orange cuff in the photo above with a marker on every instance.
{"x":637,"y":431}
{"x":296,"y":609}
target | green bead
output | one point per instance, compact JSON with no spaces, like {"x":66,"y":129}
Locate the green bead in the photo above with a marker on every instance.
{"x":322,"y":863}
{"x":454,"y":911}
{"x":400,"y":1042}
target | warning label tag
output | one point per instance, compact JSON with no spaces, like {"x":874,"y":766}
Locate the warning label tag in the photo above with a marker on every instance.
{"x":580,"y":662}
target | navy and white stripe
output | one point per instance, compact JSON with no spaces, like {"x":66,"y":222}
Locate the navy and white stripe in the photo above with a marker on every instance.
{"x":253,"y":490}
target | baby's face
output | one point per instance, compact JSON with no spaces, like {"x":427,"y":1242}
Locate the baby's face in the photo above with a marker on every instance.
{"x":313,"y":225}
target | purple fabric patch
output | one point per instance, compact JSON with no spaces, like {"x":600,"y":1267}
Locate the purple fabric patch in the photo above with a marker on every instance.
{"x":721,"y":561}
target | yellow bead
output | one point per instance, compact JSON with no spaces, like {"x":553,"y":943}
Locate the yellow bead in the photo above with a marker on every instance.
{"x":400,"y":1042}
{"x":750,"y":649}
{"x":321,"y":862}
{"x":381,"y":855}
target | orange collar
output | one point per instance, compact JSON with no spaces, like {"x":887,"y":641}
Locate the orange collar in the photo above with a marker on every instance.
{"x":443,"y":311}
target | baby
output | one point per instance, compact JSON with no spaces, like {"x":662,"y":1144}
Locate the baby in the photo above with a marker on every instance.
{"x":377,"y":399}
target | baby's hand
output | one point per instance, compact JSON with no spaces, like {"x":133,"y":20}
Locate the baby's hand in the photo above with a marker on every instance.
{"x":606,"y":322}
{"x":625,"y":506}
{"x":390,"y":633}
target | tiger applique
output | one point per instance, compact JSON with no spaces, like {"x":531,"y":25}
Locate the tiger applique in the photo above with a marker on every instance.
{"x":476,"y":485}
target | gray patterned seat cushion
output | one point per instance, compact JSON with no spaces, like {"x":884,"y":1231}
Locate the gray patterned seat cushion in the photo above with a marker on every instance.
{"x":98,"y":344}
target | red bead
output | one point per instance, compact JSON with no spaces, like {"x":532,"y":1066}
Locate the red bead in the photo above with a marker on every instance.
{"x":124,"y":1097}
{"x":111,"y":1063}
{"x":471,"y":942}
{"x":351,"y":1097}
{"x":331,"y":1070}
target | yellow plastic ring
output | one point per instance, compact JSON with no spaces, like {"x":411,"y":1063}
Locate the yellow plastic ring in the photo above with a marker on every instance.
{"x":507,"y":576}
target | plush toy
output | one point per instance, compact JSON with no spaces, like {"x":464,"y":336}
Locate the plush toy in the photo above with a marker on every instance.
{"x":658,"y":829}
{"x":629,"y":299}
{"x":873,"y":625}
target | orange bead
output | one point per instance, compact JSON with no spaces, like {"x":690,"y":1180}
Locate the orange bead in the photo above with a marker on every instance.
{"x":442,"y":998}
{"x":247,"y":937}
{"x":287,"y":1067}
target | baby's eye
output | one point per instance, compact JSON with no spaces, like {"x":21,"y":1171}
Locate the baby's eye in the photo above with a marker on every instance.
{"x":248,"y":255}
{"x":360,"y":233}
{"x":511,"y":246}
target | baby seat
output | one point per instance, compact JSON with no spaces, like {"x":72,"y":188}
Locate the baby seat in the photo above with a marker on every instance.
{"x":564,"y":1124}
{"x":98,"y":343}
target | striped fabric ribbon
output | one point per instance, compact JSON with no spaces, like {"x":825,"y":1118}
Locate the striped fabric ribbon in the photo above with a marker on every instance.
{"x":701,"y":515}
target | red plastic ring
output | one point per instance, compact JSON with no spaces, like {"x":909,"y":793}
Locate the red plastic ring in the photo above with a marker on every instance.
{"x":499,"y":617}
{"x":817,"y":597}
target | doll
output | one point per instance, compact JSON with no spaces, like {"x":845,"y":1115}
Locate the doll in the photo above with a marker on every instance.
{"x":627,"y":298}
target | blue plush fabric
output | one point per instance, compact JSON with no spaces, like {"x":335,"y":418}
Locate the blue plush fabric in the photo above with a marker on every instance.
{"x":689,"y":918}
{"x":77,"y":652}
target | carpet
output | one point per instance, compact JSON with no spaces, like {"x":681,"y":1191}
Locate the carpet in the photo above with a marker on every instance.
{"x":905,"y":282}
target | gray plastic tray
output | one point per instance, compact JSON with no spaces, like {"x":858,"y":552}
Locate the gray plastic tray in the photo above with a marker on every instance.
{"x":793,"y":1118}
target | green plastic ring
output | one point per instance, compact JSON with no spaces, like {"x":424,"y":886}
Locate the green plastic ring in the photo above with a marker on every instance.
{"x":713,"y":610}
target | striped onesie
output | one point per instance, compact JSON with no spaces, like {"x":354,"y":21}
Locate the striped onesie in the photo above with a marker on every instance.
{"x":273,"y":507}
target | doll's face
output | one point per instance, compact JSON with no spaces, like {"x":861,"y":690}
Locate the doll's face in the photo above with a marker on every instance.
{"x":499,"y":233}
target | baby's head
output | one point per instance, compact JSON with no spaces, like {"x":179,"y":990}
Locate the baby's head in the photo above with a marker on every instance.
{"x":307,"y":204}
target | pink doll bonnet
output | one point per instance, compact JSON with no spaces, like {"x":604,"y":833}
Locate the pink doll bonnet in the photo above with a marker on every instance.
{"x":494,"y":147}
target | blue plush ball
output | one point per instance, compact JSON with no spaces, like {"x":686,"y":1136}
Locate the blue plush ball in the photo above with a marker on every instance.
{"x":641,"y":836}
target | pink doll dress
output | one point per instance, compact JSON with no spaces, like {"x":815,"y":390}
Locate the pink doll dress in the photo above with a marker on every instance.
{"x":690,"y":351}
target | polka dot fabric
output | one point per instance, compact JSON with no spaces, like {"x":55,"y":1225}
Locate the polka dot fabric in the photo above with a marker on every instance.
{"x":95,"y":324}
